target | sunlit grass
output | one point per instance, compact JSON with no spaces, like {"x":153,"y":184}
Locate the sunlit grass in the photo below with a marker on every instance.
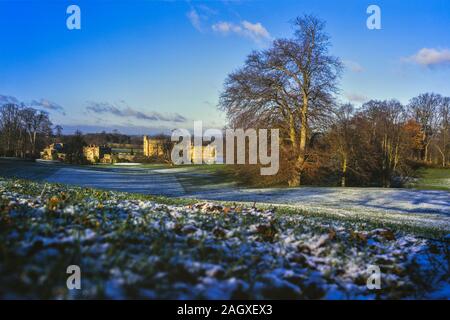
{"x":433,"y":179}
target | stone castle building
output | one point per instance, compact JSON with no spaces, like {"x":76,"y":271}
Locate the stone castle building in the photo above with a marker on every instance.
{"x":154,"y":147}
{"x":208,"y":154}
{"x":94,"y":154}
{"x":54,"y":151}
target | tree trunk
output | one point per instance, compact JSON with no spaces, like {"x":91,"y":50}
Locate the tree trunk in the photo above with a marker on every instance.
{"x":303,"y":136}
{"x":444,"y":160}
{"x":292,"y":133}
{"x":33,"y":147}
{"x":344,"y":171}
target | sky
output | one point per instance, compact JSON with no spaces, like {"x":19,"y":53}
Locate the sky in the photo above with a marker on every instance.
{"x":144,"y":66}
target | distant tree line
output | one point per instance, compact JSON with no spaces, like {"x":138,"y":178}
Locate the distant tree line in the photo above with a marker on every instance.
{"x":292,"y":86}
{"x":24,"y":131}
{"x":383,"y":142}
{"x":114,"y":137}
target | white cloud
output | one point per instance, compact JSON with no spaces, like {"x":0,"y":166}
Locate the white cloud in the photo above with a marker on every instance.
{"x":199,"y":15}
{"x":353,"y":66}
{"x":430,"y":57}
{"x":255,"y":31}
{"x":194,"y":18}
{"x":226,"y":27}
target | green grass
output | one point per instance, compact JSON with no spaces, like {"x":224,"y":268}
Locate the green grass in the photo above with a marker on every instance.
{"x":433,"y":179}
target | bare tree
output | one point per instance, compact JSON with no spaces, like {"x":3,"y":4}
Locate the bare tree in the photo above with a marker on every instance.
{"x":425,"y":110}
{"x":341,"y":138}
{"x":10,"y":126}
{"x":35,"y":122}
{"x":442,"y":143}
{"x":23,"y":130}
{"x":58,"y":131}
{"x":290,"y":86}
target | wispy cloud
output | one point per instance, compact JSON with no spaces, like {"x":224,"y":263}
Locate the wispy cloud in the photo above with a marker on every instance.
{"x":43,"y":104}
{"x":46,"y":104}
{"x":129,"y":112}
{"x":430,"y":57}
{"x":255,"y":31}
{"x":198,"y":15}
{"x":353,"y":66}
{"x":194,"y":18}
{"x":355,"y":97}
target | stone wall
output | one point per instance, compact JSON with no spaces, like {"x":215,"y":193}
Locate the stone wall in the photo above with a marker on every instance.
{"x":153,"y":147}
{"x":93,"y":153}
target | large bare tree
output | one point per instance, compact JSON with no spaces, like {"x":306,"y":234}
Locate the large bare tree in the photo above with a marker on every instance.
{"x":35,"y":122}
{"x":23,"y":130}
{"x":289,"y":85}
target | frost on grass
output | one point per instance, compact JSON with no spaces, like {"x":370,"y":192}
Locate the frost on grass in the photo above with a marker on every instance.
{"x":131,"y":247}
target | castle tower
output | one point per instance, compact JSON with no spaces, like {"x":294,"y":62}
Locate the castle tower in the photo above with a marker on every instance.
{"x":146,"y":146}
{"x":153,"y":147}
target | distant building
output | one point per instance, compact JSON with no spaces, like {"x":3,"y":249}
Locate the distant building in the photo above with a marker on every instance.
{"x":107,"y":158}
{"x":94,"y":154}
{"x":154,"y":147}
{"x":208,"y":154}
{"x":55,"y":151}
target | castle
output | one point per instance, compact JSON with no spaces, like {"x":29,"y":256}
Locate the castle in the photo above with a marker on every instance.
{"x":157,"y":148}
{"x":95,"y":154}
{"x":208,"y":154}
{"x":55,"y":151}
{"x":154,"y":147}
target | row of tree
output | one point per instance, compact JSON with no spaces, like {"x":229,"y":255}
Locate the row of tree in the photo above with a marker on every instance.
{"x":383,"y":142}
{"x":24,"y":131}
{"x":292,"y":86}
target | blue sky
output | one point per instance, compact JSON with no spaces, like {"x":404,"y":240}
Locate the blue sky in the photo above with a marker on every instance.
{"x":144,"y":66}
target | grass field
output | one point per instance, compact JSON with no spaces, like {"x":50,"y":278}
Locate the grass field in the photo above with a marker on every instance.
{"x":433,"y":179}
{"x":424,"y":212}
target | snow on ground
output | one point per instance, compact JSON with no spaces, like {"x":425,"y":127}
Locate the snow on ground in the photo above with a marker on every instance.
{"x":402,"y":206}
{"x":415,"y":207}
{"x":129,"y":246}
{"x":121,"y":180}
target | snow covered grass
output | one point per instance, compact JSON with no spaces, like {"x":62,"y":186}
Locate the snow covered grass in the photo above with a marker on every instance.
{"x":419,"y":210}
{"x":135,"y":246}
